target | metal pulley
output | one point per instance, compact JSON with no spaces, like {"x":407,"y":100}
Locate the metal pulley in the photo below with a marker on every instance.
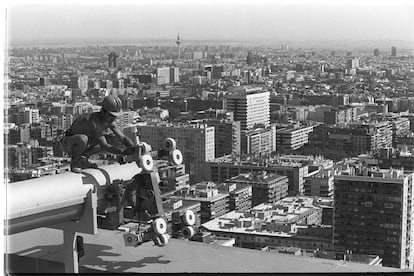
{"x":159,"y":226}
{"x":170,"y":144}
{"x":176,"y":157}
{"x":146,"y":162}
{"x":188,"y":232}
{"x":146,"y":148}
{"x":188,"y":218}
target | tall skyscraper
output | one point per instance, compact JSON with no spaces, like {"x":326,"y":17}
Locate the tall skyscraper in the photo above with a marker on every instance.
{"x":393,"y":51}
{"x":250,"y":108}
{"x":374,"y":215}
{"x":178,"y":44}
{"x":376,"y":52}
{"x":112,"y":59}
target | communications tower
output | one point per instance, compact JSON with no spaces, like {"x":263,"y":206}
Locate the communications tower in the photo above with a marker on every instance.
{"x":178,"y":44}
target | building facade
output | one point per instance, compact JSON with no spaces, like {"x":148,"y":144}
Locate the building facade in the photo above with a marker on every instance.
{"x":226,"y":137}
{"x":293,"y":138}
{"x":196,"y":141}
{"x":250,"y":108}
{"x":260,"y":141}
{"x":374,"y":215}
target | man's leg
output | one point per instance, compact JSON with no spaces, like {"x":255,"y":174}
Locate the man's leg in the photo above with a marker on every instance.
{"x":76,"y":145}
{"x":92,"y":149}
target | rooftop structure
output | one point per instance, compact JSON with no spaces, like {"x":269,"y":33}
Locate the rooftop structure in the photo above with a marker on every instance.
{"x":225,"y":167}
{"x":266,"y":187}
{"x":213,"y":203}
{"x":289,"y":222}
{"x":240,"y":195}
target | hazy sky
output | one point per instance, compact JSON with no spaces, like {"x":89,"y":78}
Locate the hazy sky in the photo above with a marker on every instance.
{"x":214,"y":20}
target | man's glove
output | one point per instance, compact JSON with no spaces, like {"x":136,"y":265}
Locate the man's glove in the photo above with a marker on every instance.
{"x":129,"y":151}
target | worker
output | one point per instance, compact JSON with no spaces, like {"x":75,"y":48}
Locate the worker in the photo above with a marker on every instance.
{"x":86,"y":136}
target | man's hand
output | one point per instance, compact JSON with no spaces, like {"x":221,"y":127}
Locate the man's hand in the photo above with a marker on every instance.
{"x":129,"y":151}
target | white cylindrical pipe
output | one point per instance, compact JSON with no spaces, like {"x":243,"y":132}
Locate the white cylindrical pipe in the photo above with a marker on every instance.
{"x":46,"y":193}
{"x":106,"y":174}
{"x":29,"y":199}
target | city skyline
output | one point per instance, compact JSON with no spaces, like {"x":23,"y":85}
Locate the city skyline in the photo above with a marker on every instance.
{"x":281,"y":133}
{"x":241,"y":21}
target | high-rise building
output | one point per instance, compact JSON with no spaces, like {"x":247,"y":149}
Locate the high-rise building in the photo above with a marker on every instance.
{"x":112,"y":59}
{"x":109,"y":84}
{"x":35,"y":116}
{"x":374,"y":215}
{"x":174,"y":75}
{"x":74,"y":82}
{"x":83,"y":84}
{"x":25,"y":116}
{"x":216,"y":72}
{"x":69,"y":118}
{"x":393,"y":51}
{"x":163,"y":75}
{"x":208,"y":70}
{"x":352,"y":63}
{"x":195,"y":141}
{"x":24,"y":130}
{"x":249,"y":58}
{"x":250,"y":108}
{"x":44,"y":81}
{"x":376,"y":52}
{"x":226,"y":137}
{"x":19,"y":156}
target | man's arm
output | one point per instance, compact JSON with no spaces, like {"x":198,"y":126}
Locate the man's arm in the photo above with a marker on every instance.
{"x":105,"y":145}
{"x":124,"y":139}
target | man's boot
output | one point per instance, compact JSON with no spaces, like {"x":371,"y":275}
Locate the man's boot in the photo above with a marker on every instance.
{"x":82,"y":163}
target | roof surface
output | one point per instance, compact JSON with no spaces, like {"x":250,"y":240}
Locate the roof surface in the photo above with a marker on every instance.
{"x":106,"y":252}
